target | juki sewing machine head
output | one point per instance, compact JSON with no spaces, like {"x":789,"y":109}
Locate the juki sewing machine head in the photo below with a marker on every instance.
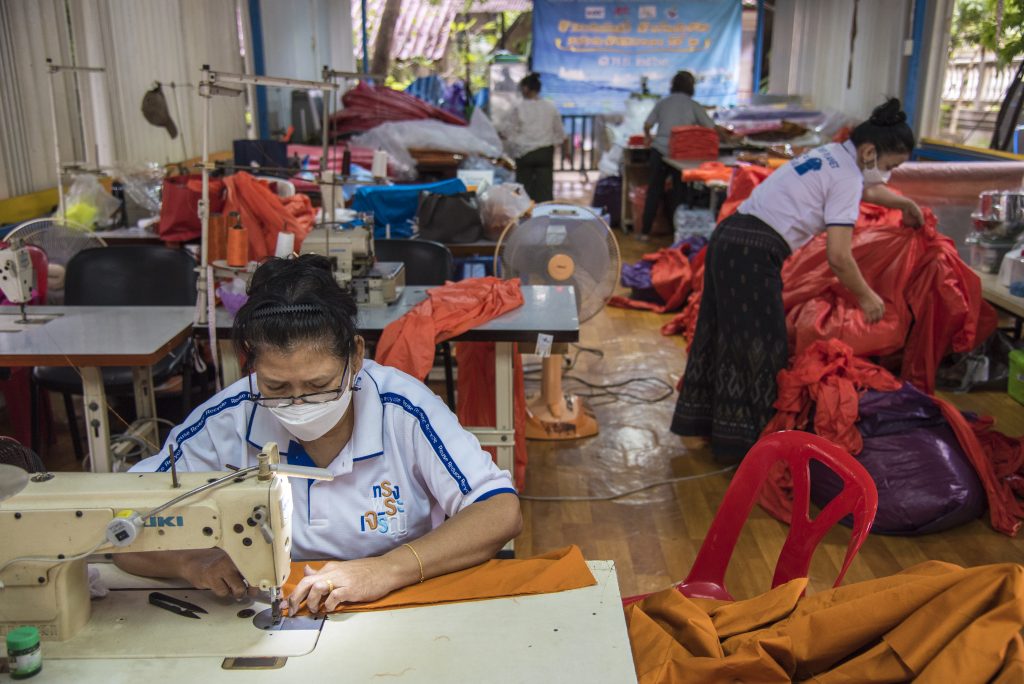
{"x":57,"y":520}
{"x":16,"y":275}
{"x":351,"y":252}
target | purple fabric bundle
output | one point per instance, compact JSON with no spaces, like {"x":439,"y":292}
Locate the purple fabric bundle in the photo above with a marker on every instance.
{"x":925,"y":482}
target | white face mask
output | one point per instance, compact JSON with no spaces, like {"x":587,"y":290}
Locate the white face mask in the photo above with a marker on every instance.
{"x":312,"y":421}
{"x":875,"y":176}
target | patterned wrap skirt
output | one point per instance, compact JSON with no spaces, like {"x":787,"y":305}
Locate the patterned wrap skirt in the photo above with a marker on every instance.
{"x":740,"y":344}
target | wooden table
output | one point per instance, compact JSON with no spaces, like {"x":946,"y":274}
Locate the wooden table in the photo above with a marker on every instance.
{"x":570,"y":636}
{"x":93,"y":337}
{"x":999,"y":296}
{"x":546,"y":309}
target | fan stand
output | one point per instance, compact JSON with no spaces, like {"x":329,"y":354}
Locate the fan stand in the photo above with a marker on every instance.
{"x":554,"y":415}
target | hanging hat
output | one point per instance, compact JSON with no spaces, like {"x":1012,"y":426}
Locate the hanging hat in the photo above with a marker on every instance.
{"x":154,"y":108}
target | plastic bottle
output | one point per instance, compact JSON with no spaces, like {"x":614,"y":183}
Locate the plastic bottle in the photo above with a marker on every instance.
{"x":23,"y":652}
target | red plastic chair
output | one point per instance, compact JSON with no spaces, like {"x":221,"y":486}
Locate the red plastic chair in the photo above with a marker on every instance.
{"x":858,"y":497}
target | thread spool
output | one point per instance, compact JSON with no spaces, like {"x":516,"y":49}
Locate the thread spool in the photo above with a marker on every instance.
{"x":380,"y":164}
{"x":285,"y":245}
{"x":238,"y":245}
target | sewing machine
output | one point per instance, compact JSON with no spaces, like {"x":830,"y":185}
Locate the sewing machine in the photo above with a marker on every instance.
{"x":57,"y":521}
{"x":16,"y":276}
{"x":351,"y":251}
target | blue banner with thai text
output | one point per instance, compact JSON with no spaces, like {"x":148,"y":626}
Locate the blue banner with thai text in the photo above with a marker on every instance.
{"x":592,"y":55}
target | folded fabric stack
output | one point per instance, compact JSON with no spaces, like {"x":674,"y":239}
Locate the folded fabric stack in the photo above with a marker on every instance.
{"x":693,"y":142}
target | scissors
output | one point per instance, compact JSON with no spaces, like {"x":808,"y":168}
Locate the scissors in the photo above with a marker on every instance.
{"x":176,"y":605}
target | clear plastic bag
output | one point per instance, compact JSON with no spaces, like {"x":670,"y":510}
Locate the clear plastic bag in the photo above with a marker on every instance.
{"x":87,"y":203}
{"x":398,"y":137}
{"x":142,"y":184}
{"x":501,"y":206}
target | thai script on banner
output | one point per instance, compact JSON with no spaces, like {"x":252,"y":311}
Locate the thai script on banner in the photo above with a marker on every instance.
{"x":591,"y":55}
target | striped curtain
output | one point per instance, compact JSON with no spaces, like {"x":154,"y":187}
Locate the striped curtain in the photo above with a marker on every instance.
{"x":99,"y":116}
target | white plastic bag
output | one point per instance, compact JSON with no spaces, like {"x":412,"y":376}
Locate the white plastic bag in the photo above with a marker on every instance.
{"x":501,"y":206}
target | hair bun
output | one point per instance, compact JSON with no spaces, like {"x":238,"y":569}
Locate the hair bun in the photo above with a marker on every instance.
{"x":888,"y":114}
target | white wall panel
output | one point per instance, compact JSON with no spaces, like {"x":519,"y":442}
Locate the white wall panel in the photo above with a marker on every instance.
{"x":811,"y":52}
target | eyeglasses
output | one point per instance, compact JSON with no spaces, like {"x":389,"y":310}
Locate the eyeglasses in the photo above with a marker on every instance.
{"x":311,"y":398}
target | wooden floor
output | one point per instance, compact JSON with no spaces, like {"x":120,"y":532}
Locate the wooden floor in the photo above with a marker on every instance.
{"x":653,"y":537}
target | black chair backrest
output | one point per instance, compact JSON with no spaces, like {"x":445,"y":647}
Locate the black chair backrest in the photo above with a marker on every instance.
{"x":426,"y":262}
{"x":131,"y":275}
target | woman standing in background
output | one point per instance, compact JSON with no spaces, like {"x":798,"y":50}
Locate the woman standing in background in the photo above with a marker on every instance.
{"x":531,"y":131}
{"x":678,"y":109}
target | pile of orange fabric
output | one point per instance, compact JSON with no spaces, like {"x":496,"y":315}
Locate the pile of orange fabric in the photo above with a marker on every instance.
{"x":934,"y":622}
{"x":264,"y":214}
{"x":829,"y":379}
{"x":933,"y":300}
{"x":448,"y":311}
{"x":672,"y":277}
{"x":708,"y":172}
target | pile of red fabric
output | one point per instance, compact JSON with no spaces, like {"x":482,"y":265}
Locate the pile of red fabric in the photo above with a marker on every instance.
{"x":368,"y":106}
{"x":264,"y":214}
{"x":827,"y":378}
{"x":693,"y":142}
{"x":933,"y":300}
{"x":671,"y":277}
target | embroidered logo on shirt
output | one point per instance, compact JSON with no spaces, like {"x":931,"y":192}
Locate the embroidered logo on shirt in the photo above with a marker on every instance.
{"x":387,"y":511}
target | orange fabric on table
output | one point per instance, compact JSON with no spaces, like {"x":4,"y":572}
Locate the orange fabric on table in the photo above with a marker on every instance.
{"x":559,"y":570}
{"x":707,"y":172}
{"x":935,"y":622}
{"x":448,"y":311}
{"x":264,"y":214}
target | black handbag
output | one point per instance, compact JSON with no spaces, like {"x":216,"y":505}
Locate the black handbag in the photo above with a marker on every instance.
{"x":449,"y":218}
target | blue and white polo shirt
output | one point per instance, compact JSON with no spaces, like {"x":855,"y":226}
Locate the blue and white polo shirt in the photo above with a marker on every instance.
{"x":408,"y":465}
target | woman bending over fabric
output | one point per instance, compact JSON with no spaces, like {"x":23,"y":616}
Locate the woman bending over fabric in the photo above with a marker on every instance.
{"x":531,"y":131}
{"x":678,"y":109}
{"x":413,"y":494}
{"x":740,"y":343}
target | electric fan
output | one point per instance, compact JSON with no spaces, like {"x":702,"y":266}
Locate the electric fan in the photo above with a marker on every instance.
{"x":60,"y":239}
{"x":561,"y":244}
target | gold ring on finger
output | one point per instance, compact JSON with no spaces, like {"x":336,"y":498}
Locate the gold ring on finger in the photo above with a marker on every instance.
{"x":330,"y":586}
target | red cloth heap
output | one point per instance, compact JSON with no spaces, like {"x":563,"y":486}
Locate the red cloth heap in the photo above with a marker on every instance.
{"x":368,"y":106}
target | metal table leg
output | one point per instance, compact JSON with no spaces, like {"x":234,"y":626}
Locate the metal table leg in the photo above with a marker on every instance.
{"x":504,"y":415}
{"x":145,"y":405}
{"x":96,"y":426}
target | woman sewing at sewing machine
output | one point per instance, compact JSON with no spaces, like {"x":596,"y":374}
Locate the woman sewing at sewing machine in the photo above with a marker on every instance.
{"x":414,"y":496}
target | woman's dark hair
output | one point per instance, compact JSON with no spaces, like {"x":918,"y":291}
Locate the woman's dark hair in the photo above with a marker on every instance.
{"x":683,"y":82}
{"x":886,"y":129}
{"x":531,"y":82}
{"x":296,"y":302}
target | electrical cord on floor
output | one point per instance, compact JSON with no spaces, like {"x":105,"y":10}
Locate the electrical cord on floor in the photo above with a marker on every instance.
{"x":629,"y":492}
{"x":605,"y":390}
